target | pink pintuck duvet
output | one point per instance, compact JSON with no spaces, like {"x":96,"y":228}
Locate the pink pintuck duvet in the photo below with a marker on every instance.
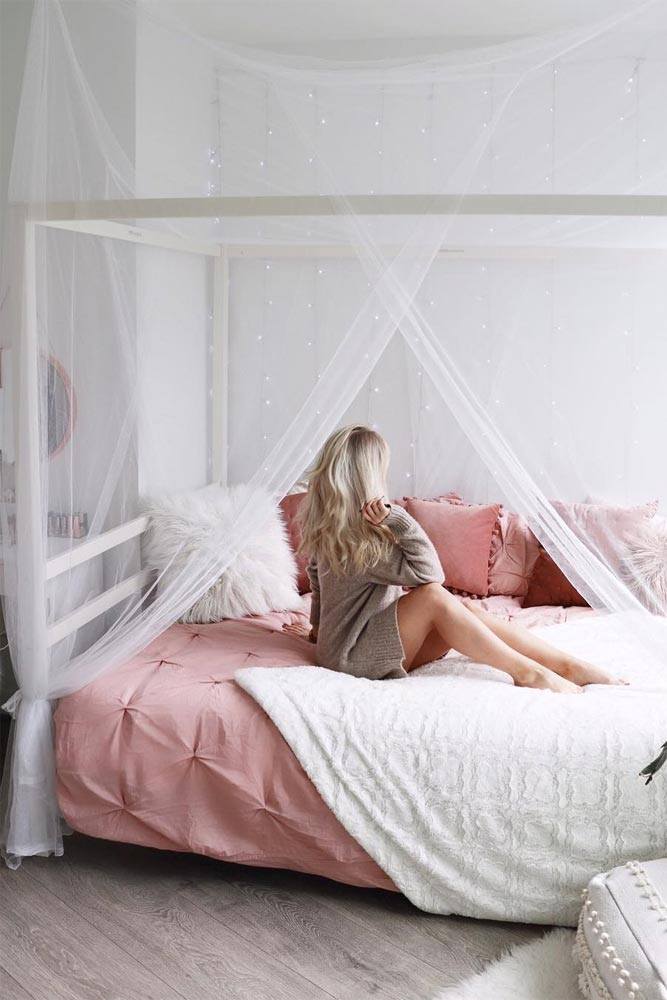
{"x":169,"y":752}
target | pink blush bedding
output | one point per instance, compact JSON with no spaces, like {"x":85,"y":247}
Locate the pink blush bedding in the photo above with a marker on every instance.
{"x":168,"y":752}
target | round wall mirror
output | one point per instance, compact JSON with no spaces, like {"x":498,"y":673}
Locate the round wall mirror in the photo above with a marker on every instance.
{"x":61,"y":406}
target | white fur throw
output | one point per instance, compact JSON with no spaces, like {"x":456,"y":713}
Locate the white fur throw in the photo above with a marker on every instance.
{"x":477,"y":797}
{"x":645,"y":563}
{"x":261,"y":578}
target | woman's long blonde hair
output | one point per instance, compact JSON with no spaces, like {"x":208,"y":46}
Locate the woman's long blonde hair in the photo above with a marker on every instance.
{"x":350,"y":469}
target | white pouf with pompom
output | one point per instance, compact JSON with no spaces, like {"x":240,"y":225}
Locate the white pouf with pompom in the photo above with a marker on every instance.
{"x":621,"y":940}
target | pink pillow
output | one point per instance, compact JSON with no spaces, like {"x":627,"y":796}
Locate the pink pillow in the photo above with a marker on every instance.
{"x":461,"y":536}
{"x":549,"y":587}
{"x":441,"y":498}
{"x":603,"y":527}
{"x":289,"y":506}
{"x":514,"y":550}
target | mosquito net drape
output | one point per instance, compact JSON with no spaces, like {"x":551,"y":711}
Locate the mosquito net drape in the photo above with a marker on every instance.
{"x":466,"y":251}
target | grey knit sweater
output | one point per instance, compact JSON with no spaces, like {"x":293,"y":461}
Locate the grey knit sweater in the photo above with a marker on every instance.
{"x":354,"y":615}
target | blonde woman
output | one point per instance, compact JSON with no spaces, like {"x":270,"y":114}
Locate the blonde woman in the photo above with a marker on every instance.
{"x":365,"y":551}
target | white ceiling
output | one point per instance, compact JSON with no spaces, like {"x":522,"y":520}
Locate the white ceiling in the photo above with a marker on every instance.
{"x":351,"y":27}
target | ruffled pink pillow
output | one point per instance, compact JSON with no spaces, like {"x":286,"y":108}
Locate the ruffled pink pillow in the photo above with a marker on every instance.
{"x":514,"y":551}
{"x":441,"y":498}
{"x":289,"y":506}
{"x":461,"y":536}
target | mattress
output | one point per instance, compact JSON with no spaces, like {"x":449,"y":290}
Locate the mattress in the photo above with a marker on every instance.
{"x":167,"y":751}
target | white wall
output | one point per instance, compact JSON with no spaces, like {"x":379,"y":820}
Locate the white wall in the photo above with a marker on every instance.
{"x":349,"y":29}
{"x":521,"y":332}
{"x":14,"y":28}
{"x":174,"y":328}
{"x":173,"y":331}
{"x":566,"y":354}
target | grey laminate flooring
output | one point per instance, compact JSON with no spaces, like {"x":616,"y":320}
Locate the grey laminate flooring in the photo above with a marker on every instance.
{"x":115,"y":922}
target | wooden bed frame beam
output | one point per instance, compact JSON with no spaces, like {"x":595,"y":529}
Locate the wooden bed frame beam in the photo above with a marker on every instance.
{"x":97,"y":218}
{"x":95,"y":546}
{"x":108,"y":599}
{"x":326,"y":205}
{"x":135,"y":234}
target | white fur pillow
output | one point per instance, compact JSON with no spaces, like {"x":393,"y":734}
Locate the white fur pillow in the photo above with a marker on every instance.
{"x":645,"y":563}
{"x":261,"y":578}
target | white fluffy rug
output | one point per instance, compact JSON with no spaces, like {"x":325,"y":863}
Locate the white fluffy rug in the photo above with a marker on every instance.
{"x":541,"y":970}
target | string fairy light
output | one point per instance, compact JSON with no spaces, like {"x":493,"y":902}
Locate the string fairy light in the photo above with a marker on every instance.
{"x":316,"y":122}
{"x":632,"y":87}
{"x":265,"y":378}
{"x":489,"y":343}
{"x":414,"y":457}
{"x":214,"y":189}
{"x":633,"y":364}
{"x":215,"y":159}
{"x":268,"y":130}
{"x":490,"y":92}
{"x":552,"y":327}
{"x":369,"y":399}
{"x":428,"y":129}
{"x":554,"y":98}
{"x":379,"y":125}
{"x":312,"y":337}
{"x":634,"y":83}
{"x":209,"y":384}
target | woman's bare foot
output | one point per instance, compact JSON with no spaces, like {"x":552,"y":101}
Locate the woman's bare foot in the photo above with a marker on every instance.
{"x":586,"y":673}
{"x":546,"y":680}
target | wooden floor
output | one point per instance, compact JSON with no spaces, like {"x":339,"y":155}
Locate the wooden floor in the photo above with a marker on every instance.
{"x":115,"y":922}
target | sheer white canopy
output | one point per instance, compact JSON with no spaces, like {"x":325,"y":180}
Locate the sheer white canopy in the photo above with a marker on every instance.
{"x":222,"y":254}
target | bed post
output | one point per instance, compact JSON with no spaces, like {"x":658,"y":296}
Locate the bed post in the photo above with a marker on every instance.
{"x":220,"y":374}
{"x":30,"y":580}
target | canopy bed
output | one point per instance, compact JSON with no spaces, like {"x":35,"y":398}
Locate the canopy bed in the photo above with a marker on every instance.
{"x":460,"y":250}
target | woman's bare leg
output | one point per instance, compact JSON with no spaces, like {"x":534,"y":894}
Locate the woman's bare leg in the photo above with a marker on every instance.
{"x":531,"y":645}
{"x":433,"y":648}
{"x":431,"y":607}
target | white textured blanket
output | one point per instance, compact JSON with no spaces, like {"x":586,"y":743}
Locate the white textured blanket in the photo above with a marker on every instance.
{"x":476,"y":797}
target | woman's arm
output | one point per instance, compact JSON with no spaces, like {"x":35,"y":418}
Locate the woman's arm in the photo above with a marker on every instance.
{"x":413,"y":561}
{"x":311,"y":570}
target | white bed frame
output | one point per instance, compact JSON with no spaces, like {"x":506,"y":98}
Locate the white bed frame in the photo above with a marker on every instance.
{"x":95,"y":218}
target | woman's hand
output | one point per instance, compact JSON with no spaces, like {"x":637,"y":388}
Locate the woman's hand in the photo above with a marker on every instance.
{"x":300,"y":630}
{"x":375,"y":511}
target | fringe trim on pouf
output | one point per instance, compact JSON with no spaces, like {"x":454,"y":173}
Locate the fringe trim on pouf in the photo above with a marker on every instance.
{"x":591,"y":983}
